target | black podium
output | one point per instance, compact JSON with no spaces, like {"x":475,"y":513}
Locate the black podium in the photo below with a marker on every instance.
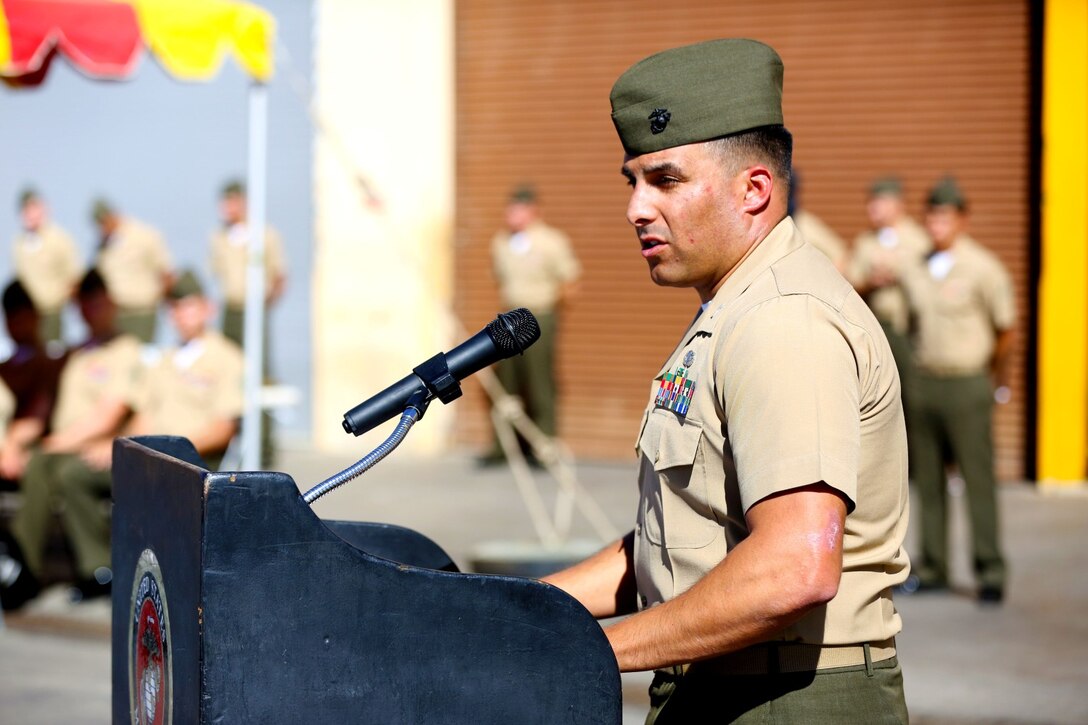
{"x":234,"y":603}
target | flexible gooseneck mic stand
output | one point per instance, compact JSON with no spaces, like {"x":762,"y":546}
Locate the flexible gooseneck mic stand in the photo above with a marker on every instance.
{"x":437,"y":383}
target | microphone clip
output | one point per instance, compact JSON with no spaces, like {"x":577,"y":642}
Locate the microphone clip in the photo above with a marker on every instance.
{"x":435,"y":374}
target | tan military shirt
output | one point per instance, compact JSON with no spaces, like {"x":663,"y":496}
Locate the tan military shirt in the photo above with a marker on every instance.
{"x":892,"y":249}
{"x":228,"y":258}
{"x":817,"y":233}
{"x":959,"y":299}
{"x":93,"y":373}
{"x":785,"y":380}
{"x":133,"y":263}
{"x":192,"y":386}
{"x":533,"y":265}
{"x":47,"y":264}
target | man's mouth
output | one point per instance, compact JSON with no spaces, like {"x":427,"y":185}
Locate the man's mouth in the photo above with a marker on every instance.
{"x":651,"y":245}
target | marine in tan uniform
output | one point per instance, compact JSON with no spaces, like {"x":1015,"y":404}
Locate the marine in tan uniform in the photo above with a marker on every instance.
{"x":229,"y":247}
{"x":194,"y":390}
{"x":72,"y":465}
{"x":135,"y":262}
{"x":228,"y":260}
{"x":963,"y":316}
{"x":893,"y":242}
{"x":772,"y":453}
{"x":536,"y":267}
{"x":46,"y":262}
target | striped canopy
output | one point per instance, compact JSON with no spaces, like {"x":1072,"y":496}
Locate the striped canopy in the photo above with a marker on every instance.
{"x":104,"y":38}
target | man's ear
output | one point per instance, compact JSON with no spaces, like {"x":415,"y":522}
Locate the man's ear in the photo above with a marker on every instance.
{"x":759,"y":183}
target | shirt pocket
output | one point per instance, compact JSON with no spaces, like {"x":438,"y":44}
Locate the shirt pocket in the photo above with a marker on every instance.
{"x":684,"y":520}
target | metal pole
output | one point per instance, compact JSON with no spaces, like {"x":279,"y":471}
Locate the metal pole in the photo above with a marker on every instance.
{"x":255,"y":276}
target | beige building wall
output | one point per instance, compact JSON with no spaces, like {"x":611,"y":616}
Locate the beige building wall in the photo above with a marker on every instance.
{"x":384,"y":74}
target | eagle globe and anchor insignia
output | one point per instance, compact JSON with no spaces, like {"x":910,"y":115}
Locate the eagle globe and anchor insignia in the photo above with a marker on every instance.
{"x":149,"y":665}
{"x":659,"y":119}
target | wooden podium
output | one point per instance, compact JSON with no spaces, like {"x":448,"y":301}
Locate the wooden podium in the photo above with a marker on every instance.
{"x":234,"y":603}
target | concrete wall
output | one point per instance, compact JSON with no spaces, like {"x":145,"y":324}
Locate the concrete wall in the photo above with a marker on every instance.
{"x":383,"y":201}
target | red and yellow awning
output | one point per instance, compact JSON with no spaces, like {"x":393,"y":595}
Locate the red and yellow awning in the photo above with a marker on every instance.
{"x":104,"y":38}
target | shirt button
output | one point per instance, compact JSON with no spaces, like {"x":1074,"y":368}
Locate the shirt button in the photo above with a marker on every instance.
{"x":657,"y":457}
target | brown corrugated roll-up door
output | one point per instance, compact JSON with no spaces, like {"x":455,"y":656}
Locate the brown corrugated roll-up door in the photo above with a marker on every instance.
{"x":871,"y":88}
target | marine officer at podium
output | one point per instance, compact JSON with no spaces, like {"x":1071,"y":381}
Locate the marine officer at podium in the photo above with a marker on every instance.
{"x":773,"y":461}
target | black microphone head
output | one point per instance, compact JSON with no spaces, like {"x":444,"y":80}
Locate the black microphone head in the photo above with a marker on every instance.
{"x":513,"y":331}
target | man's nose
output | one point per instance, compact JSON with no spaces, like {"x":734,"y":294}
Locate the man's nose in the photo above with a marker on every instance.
{"x":640,"y":211}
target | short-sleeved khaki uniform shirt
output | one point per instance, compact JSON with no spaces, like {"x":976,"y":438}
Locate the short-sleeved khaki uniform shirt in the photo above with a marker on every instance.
{"x":817,"y":233}
{"x":192,"y":386}
{"x":47,"y":264}
{"x":93,"y":373}
{"x":893,"y":249}
{"x":228,"y":259}
{"x":959,"y":299}
{"x":133,"y":263}
{"x":533,"y":265}
{"x":784,"y":380}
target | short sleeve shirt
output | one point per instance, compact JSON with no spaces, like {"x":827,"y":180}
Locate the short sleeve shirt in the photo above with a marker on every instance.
{"x":785,"y":380}
{"x":190,"y":387}
{"x":47,"y":264}
{"x":94,"y":373}
{"x":133,"y":263}
{"x":228,"y":258}
{"x":533,"y":265}
{"x":958,"y":305}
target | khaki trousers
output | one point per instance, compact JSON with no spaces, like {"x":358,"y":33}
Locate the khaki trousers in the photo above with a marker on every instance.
{"x":861,"y":694}
{"x":81,"y":491}
{"x":139,"y":323}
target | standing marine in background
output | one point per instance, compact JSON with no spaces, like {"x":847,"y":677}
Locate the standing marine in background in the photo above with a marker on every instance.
{"x":962,"y":306}
{"x":134,"y":260}
{"x":535,"y":266}
{"x":229,"y":250}
{"x":893,"y":242}
{"x":46,"y":263}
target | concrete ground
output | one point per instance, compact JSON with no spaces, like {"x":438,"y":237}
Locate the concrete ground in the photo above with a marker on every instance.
{"x":1024,"y":662}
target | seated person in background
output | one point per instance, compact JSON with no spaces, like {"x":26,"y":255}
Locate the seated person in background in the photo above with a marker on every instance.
{"x":194,"y":390}
{"x":73,"y":462}
{"x":31,"y":375}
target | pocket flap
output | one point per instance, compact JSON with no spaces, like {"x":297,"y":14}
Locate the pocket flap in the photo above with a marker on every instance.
{"x":678,"y":443}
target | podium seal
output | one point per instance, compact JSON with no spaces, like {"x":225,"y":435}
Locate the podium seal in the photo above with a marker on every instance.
{"x":150,"y":675}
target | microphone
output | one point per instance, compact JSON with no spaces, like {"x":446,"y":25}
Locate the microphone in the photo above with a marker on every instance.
{"x":507,"y":335}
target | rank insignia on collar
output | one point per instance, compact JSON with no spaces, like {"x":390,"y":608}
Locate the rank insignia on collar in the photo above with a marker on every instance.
{"x":675,"y":392}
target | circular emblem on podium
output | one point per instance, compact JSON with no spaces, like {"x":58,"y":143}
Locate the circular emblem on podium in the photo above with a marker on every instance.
{"x":150,"y":675}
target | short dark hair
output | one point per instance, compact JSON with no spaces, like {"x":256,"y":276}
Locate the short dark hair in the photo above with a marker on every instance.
{"x":772,"y":145}
{"x":16,"y":299}
{"x":92,"y":283}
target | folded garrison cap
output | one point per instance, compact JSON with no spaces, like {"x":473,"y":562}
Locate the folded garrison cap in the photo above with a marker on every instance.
{"x":101,"y":209}
{"x":697,"y":93}
{"x":890,"y":185}
{"x":234,"y":187}
{"x":947,"y":192}
{"x":186,"y":285}
{"x":523,"y":194}
{"x":28,"y":195}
